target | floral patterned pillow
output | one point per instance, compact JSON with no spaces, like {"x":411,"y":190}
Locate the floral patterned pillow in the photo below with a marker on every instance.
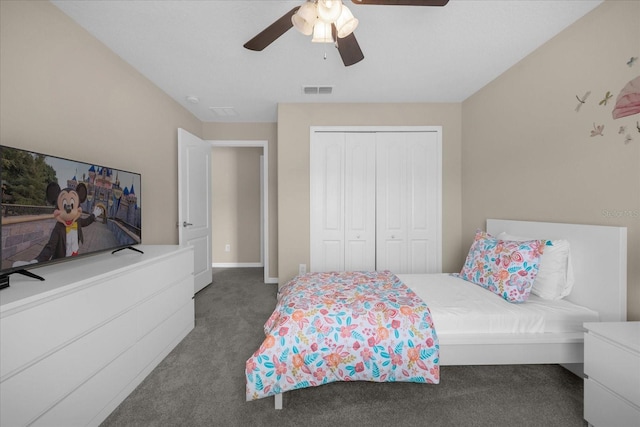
{"x":506,"y":268}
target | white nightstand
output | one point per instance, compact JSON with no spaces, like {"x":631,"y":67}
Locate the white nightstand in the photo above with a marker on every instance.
{"x":612,"y":371}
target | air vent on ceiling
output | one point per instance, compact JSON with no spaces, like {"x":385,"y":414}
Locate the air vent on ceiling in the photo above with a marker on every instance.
{"x":317,"y":90}
{"x":223,"y":111}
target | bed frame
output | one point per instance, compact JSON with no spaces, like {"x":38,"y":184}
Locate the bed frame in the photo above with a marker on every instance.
{"x":599,"y":257}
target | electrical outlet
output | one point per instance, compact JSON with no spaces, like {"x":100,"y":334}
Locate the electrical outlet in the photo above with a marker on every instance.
{"x":302,"y":269}
{"x":227,"y":248}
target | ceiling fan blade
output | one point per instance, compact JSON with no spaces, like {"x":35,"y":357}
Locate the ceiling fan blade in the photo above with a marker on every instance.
{"x":349,"y":49}
{"x":272,"y":32}
{"x":403,"y":2}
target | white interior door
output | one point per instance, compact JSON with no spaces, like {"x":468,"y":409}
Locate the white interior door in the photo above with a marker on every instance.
{"x":343,"y":190}
{"x":376,"y":197}
{"x":423,"y":194}
{"x":360,"y":201}
{"x":327,"y":202}
{"x":391,"y":203}
{"x":408,"y":202}
{"x":194,"y":200}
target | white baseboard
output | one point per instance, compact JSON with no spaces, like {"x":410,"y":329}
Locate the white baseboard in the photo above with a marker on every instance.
{"x":270,"y":280}
{"x":236,"y":264}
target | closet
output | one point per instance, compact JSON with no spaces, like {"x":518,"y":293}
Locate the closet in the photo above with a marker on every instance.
{"x":376,"y":199}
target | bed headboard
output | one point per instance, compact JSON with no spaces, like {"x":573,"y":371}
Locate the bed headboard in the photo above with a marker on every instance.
{"x":599,"y":258}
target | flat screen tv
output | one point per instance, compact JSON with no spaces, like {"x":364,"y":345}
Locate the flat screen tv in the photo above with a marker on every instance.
{"x":56,"y":209}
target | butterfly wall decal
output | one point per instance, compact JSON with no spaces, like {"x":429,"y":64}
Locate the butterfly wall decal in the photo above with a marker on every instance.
{"x":597,"y":130}
{"x":606,"y":98}
{"x":627,"y":139}
{"x":622,"y":130}
{"x":632,"y":61}
{"x":582,"y":100}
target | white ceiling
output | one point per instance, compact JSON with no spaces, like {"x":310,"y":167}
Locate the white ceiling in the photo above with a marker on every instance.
{"x":412,"y":54}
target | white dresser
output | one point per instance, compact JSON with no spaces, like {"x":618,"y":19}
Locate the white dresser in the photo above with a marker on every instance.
{"x":74,"y":346}
{"x":612,"y":374}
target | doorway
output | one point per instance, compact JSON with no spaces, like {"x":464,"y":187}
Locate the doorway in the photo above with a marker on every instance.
{"x":233,"y":245}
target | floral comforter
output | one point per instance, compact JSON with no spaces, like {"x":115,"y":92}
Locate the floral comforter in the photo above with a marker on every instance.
{"x":348,"y":326}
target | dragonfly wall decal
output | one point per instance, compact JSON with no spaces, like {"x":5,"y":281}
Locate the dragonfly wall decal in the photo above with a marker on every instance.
{"x":582,"y":100}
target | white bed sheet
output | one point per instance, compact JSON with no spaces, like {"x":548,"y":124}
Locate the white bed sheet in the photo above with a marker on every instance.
{"x":461,"y":307}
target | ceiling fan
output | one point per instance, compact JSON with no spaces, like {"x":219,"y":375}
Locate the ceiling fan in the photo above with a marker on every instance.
{"x":330,"y":22}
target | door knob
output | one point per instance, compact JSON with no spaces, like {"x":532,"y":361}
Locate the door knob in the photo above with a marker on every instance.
{"x":185,"y":223}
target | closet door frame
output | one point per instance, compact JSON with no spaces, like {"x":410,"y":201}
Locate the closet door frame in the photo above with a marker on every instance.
{"x":313,"y":130}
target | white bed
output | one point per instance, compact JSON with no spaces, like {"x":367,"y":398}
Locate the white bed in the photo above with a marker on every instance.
{"x":599,"y":257}
{"x":548,"y":331}
{"x":458,"y":308}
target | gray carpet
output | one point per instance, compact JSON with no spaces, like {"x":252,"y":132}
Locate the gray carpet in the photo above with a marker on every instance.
{"x":201,"y":382}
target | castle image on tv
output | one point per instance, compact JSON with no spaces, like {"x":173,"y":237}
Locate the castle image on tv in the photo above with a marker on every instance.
{"x":122,"y":203}
{"x":55,"y":208}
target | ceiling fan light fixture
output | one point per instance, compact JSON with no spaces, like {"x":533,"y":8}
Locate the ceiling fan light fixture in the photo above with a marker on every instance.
{"x":346,"y":23}
{"x":329,"y":10}
{"x":328,"y":21}
{"x":305,"y":18}
{"x":322,"y":33}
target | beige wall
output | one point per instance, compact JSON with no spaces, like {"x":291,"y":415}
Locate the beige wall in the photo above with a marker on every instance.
{"x":294,"y":121}
{"x":236,"y":204}
{"x":236,"y":163}
{"x":527,"y":154}
{"x":62,"y":92}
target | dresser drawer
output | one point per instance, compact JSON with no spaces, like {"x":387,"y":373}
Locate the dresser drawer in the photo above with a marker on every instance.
{"x":34,"y":390}
{"x":614,"y":366}
{"x":603,"y":408}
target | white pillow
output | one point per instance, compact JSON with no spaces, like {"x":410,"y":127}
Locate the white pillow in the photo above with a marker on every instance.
{"x":555,"y":276}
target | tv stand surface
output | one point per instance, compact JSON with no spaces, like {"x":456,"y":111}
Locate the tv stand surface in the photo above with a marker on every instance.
{"x":76,"y":345}
{"x":4,"y":279}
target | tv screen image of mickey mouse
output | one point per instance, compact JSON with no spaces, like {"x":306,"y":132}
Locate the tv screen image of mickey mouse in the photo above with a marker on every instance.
{"x":55,"y":208}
